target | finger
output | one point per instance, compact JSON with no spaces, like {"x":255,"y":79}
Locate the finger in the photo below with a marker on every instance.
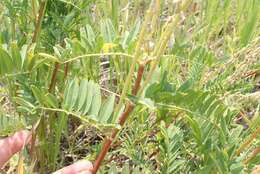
{"x":76,"y":168}
{"x":85,"y":172}
{"x":11,"y":145}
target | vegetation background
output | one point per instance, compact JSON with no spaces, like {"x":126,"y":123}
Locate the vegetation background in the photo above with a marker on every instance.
{"x":173,"y":83}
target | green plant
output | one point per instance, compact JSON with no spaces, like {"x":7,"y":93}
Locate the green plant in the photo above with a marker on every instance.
{"x":179,"y":83}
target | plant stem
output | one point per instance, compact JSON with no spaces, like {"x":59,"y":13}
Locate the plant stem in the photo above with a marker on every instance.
{"x":98,"y":54}
{"x":158,"y":52}
{"x":108,"y":141}
{"x":139,"y":78}
{"x":130,"y":106}
{"x":13,"y":29}
{"x":39,"y":21}
{"x":83,"y":119}
{"x":122,"y":119}
{"x":54,"y":75}
{"x":66,"y":69}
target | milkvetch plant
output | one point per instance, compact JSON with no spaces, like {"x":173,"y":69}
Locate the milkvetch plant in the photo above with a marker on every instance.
{"x":133,"y":86}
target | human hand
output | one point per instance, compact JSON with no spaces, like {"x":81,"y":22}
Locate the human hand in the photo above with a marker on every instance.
{"x":13,"y":144}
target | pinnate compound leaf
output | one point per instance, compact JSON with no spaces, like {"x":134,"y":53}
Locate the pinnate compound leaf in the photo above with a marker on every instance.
{"x":85,"y":98}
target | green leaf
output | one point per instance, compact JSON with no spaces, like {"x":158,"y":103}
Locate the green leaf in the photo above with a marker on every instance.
{"x":89,"y":98}
{"x":235,"y":133}
{"x":129,"y":37}
{"x":69,"y":18}
{"x":88,"y":36}
{"x":83,"y":91}
{"x":38,"y":95}
{"x":71,"y":94}
{"x":250,"y":24}
{"x":57,"y":52}
{"x":195,"y":129}
{"x":125,"y":169}
{"x":27,"y":54}
{"x":107,"y":31}
{"x":96,"y":101}
{"x":107,"y":109}
{"x":236,"y":168}
{"x":23,"y":53}
{"x":31,"y":63}
{"x":22,"y":102}
{"x":136,"y":170}
{"x":113,"y":169}
{"x":148,"y":103}
{"x":10,"y":124}
{"x":15,"y":52}
{"x":175,"y":164}
{"x":52,"y":101}
{"x":6,"y":62}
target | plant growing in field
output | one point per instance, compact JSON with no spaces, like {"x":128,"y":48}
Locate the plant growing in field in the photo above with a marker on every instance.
{"x":175,"y":90}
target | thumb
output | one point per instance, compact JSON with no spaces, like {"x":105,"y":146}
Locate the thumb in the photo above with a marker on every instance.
{"x":13,"y":144}
{"x":78,"y":167}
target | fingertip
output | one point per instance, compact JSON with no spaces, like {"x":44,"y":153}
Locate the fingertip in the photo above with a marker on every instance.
{"x":80,"y":166}
{"x":23,"y":134}
{"x":84,"y":164}
{"x":85,"y":172}
{"x":10,"y":145}
{"x":20,"y":139}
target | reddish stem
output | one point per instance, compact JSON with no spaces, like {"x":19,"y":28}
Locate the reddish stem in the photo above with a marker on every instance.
{"x":139,"y":78}
{"x":122,"y":120}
